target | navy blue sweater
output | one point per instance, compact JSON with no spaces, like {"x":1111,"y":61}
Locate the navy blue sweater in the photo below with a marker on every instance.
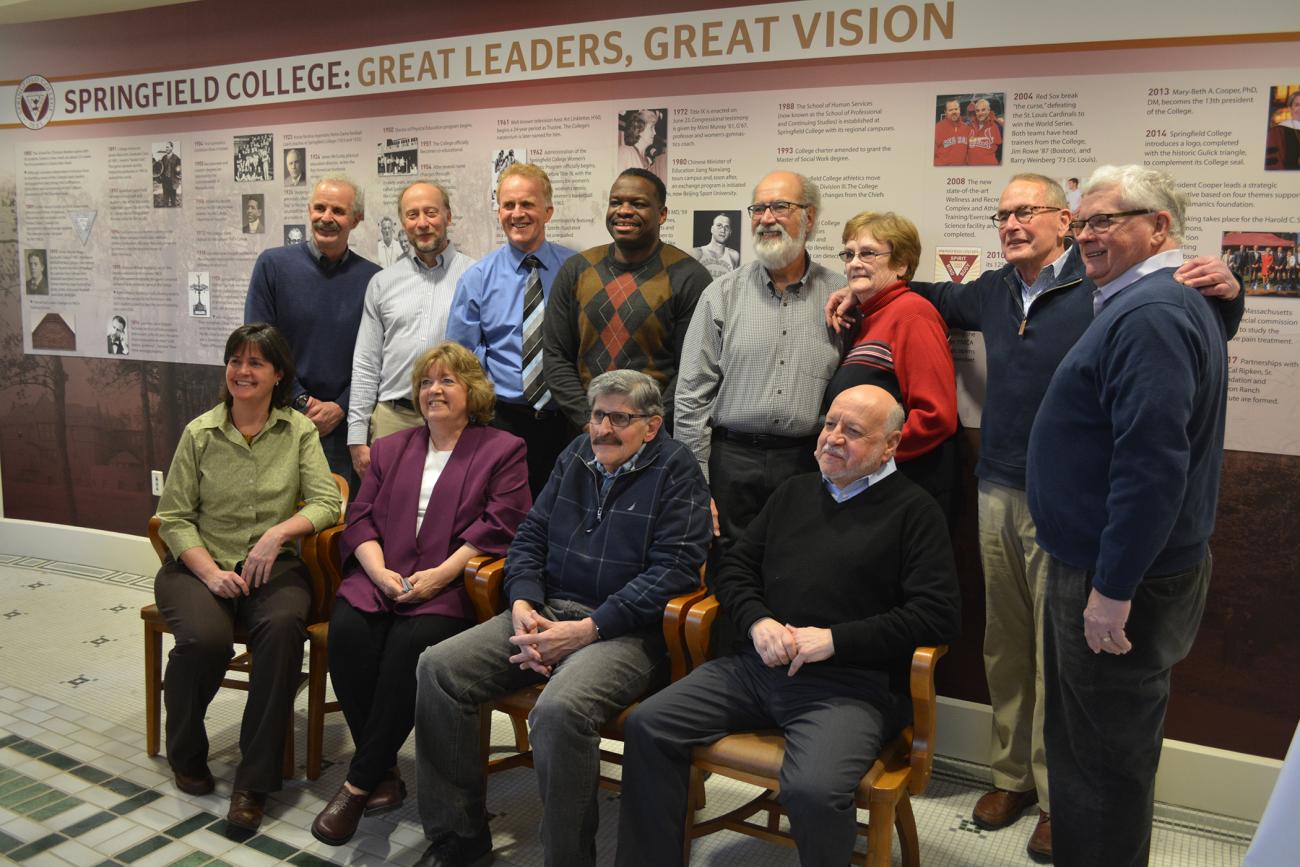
{"x":1125,"y":455}
{"x":625,"y":555}
{"x":1021,"y":361}
{"x":317,"y":309}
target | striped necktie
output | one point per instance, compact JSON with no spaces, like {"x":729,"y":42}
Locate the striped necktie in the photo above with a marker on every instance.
{"x":536,"y":394}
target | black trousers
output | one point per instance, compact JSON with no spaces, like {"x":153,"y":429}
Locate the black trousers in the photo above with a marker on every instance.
{"x":1105,"y":714}
{"x":834,"y":719}
{"x":273,"y":616}
{"x":546,"y":436}
{"x":742,"y":477}
{"x":372,"y":667}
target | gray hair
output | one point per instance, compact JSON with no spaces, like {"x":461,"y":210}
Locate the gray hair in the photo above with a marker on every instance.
{"x":895,"y":419}
{"x":358,"y":192}
{"x":1141,"y":187}
{"x":641,"y":390}
{"x":1053,"y":194}
{"x":812,"y":197}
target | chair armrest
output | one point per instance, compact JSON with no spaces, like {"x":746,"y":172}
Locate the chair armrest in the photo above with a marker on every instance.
{"x":155,"y":537}
{"x":674,"y":624}
{"x":695,"y":632}
{"x":320,"y":551}
{"x":925,"y":707}
{"x":484,"y":587}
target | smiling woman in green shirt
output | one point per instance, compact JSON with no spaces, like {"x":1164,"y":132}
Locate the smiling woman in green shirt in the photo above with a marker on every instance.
{"x":229,"y":517}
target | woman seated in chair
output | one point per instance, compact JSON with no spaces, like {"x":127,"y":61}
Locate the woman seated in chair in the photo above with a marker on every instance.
{"x":434,"y":497}
{"x":229,"y":515}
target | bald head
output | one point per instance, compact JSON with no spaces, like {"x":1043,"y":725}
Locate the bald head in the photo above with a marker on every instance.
{"x":860,"y":435}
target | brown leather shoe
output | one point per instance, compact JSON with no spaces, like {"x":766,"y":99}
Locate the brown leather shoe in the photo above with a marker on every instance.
{"x":337,"y":823}
{"x":999,"y":808}
{"x":1040,"y":842}
{"x":246,"y":809}
{"x":193,"y":785}
{"x":388,"y":795}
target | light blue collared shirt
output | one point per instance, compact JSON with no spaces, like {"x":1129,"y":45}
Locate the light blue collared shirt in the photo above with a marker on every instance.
{"x":1045,"y":280}
{"x":1102,"y":294}
{"x":852,"y":489}
{"x":487,"y":312}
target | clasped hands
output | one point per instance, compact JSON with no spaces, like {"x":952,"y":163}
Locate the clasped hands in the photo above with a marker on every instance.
{"x":425,"y":584}
{"x":256,"y":571}
{"x":779,"y":645}
{"x":543,"y":643}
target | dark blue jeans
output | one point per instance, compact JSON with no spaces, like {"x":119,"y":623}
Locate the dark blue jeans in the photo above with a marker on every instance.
{"x":1106,"y":714}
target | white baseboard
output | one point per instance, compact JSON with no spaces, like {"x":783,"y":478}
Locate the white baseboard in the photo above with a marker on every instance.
{"x":1191,"y":776}
{"x":78,"y":545}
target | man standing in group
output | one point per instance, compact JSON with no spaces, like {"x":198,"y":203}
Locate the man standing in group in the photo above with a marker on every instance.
{"x":1139,"y":402}
{"x":625,"y":305}
{"x":831,"y":589}
{"x":1030,"y":312}
{"x":389,"y":250}
{"x":498,"y":312}
{"x":587,"y":596}
{"x":950,"y":135}
{"x":984,"y":138}
{"x":294,"y":167}
{"x":757,"y":358}
{"x":405,"y":313}
{"x":313,"y":293}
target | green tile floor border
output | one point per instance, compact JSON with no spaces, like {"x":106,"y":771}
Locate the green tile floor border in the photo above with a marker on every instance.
{"x":39,"y":802}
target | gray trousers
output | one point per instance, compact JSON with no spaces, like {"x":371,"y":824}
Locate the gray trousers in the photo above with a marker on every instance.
{"x":586,"y":690}
{"x":834,"y":719}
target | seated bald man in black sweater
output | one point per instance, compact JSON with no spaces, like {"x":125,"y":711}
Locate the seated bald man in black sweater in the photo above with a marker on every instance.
{"x":836,"y":582}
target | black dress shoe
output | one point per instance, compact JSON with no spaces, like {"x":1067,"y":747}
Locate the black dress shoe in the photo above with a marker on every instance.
{"x":388,"y":795}
{"x":202,"y":785}
{"x":337,"y":823}
{"x":246,"y":809}
{"x":449,"y":850}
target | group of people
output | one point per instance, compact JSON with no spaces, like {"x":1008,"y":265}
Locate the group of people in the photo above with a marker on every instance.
{"x":1266,"y":269}
{"x":612,"y":419}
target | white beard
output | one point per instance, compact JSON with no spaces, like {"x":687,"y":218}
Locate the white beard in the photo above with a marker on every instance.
{"x":781,"y":252}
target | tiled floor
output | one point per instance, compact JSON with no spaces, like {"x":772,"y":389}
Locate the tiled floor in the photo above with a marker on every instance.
{"x":76,"y":786}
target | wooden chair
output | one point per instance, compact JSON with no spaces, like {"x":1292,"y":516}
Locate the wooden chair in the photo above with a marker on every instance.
{"x":322,"y":602}
{"x":902,"y":769}
{"x":485,"y":592}
{"x":318,"y":637}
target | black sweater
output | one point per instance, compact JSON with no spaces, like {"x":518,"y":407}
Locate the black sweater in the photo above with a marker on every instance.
{"x":876,"y":569}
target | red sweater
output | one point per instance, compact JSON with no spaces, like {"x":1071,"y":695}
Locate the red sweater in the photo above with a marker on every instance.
{"x":922,"y":361}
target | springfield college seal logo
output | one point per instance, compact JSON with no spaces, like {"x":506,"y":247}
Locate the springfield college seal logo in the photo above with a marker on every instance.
{"x":34,"y":101}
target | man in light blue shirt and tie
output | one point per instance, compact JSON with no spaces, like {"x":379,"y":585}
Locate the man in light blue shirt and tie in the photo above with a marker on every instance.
{"x":497,"y":313}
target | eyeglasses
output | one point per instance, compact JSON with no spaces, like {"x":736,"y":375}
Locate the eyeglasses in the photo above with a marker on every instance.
{"x":1023,"y":214}
{"x":617,"y":419}
{"x":1102,"y":223}
{"x":847,"y":256}
{"x":779,"y":209}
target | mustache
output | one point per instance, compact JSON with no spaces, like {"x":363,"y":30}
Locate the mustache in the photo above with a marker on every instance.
{"x":606,"y":440}
{"x":830,"y":450}
{"x":325,"y":225}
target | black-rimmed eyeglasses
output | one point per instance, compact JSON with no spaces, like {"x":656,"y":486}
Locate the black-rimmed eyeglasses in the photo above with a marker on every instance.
{"x":617,"y":419}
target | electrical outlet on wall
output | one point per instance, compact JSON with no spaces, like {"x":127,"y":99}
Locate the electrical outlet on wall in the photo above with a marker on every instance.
{"x":156,"y":482}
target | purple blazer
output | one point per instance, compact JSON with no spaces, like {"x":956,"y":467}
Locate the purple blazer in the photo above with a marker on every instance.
{"x":479,"y":499}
